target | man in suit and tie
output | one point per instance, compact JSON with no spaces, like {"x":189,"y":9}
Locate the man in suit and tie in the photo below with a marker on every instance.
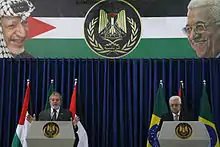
{"x":175,"y":113}
{"x":57,"y":113}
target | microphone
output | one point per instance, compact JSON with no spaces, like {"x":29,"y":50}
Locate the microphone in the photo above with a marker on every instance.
{"x":34,"y":117}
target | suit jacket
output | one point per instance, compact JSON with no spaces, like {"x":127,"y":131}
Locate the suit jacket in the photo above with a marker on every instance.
{"x":64,"y":115}
{"x":169,"y":117}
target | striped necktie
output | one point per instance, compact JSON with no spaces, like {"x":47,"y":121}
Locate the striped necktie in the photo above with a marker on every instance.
{"x":176,"y":117}
{"x":54,"y":118}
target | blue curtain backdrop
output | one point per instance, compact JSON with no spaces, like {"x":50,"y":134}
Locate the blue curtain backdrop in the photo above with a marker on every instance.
{"x":115,"y":97}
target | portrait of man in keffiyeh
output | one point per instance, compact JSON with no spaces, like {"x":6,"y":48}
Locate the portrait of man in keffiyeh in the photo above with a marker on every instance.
{"x":14,"y":28}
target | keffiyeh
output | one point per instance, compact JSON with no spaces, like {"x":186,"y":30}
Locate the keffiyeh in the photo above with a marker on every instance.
{"x":22,"y":8}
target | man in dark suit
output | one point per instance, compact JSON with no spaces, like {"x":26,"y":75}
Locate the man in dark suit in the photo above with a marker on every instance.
{"x":56,"y":113}
{"x":175,"y":113}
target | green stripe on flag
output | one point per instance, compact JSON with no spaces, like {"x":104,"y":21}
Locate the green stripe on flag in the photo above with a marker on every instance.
{"x":16,"y":141}
{"x":77,"y":48}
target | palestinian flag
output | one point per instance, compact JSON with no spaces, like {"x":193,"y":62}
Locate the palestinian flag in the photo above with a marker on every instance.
{"x":56,"y":29}
{"x":19,"y":139}
{"x":83,"y":138}
{"x":184,"y":107}
{"x":205,"y":117}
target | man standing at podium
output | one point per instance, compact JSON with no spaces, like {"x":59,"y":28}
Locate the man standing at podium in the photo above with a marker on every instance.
{"x":57,"y":113}
{"x":175,"y":114}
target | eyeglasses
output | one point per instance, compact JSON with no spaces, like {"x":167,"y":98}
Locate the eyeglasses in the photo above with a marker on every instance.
{"x":199,"y":27}
{"x":176,"y":105}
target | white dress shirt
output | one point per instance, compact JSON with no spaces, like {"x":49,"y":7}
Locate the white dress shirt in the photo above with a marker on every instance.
{"x":52,"y":113}
{"x":218,"y":56}
{"x":178,"y":118}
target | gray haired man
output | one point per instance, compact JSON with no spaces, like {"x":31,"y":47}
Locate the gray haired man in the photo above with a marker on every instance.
{"x":175,"y":113}
{"x":203,"y":27}
{"x":14,"y":27}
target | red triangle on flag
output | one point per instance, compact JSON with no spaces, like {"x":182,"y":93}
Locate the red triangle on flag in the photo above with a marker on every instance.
{"x":37,"y":27}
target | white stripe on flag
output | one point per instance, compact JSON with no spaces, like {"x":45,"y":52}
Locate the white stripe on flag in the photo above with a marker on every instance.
{"x":83,"y":138}
{"x":152,"y":27}
{"x":22,"y":131}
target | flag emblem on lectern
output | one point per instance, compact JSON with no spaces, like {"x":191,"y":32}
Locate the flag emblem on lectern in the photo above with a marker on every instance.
{"x":183,"y":130}
{"x":51,"y":130}
{"x":112,"y":29}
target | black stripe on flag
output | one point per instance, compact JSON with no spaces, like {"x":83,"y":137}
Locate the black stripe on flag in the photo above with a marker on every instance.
{"x":79,"y":8}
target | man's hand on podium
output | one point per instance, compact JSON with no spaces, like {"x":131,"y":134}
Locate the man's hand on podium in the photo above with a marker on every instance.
{"x":30,"y":118}
{"x":75,"y":121}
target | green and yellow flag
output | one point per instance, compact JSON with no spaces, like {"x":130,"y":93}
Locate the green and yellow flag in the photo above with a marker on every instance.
{"x":50,"y":91}
{"x":160,"y":108}
{"x":206,"y":117}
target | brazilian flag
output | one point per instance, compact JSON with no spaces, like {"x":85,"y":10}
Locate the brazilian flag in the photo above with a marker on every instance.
{"x":50,"y":91}
{"x":160,"y":108}
{"x":206,"y":117}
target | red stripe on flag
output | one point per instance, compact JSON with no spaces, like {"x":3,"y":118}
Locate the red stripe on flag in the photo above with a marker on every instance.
{"x":25,"y":105}
{"x":73,"y":101}
{"x":180,"y":91}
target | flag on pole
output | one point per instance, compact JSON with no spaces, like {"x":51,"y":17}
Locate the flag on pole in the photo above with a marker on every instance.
{"x":50,"y":91}
{"x":180,"y":93}
{"x":83,"y":138}
{"x":73,"y":100}
{"x":184,"y":107}
{"x":206,"y":117}
{"x":19,"y":139}
{"x":160,"y":108}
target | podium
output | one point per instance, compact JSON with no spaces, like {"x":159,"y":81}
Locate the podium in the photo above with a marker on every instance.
{"x":183,"y":134}
{"x":54,"y":134}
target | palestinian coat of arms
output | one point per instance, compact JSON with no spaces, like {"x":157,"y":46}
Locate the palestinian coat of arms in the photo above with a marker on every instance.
{"x":112,"y":29}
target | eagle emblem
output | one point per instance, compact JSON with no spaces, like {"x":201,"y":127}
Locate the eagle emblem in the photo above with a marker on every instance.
{"x":183,"y":130}
{"x":112,"y":29}
{"x":51,"y":129}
